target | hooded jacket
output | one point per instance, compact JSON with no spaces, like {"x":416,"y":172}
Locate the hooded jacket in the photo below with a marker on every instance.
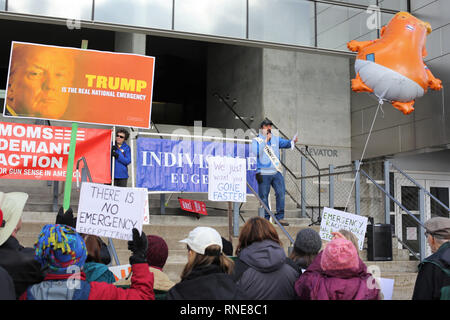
{"x":431,"y":278}
{"x":206,"y":283}
{"x":268,"y":276}
{"x":347,"y":284}
{"x":98,"y":272}
{"x":19,"y":262}
{"x":75,"y":287}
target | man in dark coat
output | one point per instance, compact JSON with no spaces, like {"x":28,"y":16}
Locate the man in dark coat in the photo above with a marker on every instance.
{"x":434,"y":271}
{"x":7,"y":291}
{"x":18,"y":261}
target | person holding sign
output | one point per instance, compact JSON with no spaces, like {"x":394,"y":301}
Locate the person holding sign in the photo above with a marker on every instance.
{"x":122,"y":153}
{"x":337,"y":273}
{"x":62,"y":251}
{"x":267,"y":147}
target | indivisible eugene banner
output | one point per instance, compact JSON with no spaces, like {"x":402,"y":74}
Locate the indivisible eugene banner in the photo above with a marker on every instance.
{"x":78,"y":85}
{"x":36,"y":152}
{"x":182,"y":165}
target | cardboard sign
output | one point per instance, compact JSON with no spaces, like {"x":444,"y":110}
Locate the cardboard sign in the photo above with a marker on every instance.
{"x":79,"y":85}
{"x":334,"y":220}
{"x":36,"y":152}
{"x":193,"y":206}
{"x":387,"y":287}
{"x":108,"y":211}
{"x":120,"y":272}
{"x":227,"y":179}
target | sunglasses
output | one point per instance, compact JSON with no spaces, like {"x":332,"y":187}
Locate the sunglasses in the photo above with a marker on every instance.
{"x":119,"y":136}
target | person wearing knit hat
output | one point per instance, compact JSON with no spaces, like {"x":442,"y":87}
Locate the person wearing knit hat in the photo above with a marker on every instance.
{"x":433,"y":279}
{"x":306,"y":247}
{"x":339,"y":254}
{"x":337,"y":273}
{"x":14,"y":258}
{"x":63,"y":252}
{"x":157,"y":254}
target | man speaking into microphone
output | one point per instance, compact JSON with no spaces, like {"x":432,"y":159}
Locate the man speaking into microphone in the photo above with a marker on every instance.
{"x":267,"y":147}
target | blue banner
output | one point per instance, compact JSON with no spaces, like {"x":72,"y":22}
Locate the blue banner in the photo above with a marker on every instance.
{"x":182,"y":166}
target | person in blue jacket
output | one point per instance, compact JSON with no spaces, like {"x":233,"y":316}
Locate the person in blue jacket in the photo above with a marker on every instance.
{"x":269,"y":167}
{"x":122,"y":154}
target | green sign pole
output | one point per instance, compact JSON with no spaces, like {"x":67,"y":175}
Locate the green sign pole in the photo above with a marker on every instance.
{"x":69,"y":171}
{"x":70,"y":161}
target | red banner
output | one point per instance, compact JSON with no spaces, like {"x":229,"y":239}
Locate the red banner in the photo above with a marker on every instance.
{"x":193,"y":206}
{"x":37,"y":152}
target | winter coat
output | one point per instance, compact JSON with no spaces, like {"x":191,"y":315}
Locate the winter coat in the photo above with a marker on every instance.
{"x":122,"y":161}
{"x":19,"y":262}
{"x":161,"y":283}
{"x":348,"y":284}
{"x":431,"y":278}
{"x":268,"y":276}
{"x":66,"y":287}
{"x":206,"y":283}
{"x":98,"y":272}
{"x":7,"y":291}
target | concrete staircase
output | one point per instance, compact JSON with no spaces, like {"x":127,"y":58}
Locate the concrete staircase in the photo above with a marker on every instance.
{"x":176,"y":227}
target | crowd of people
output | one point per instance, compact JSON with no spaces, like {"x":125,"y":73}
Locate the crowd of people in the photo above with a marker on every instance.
{"x":70,"y":266}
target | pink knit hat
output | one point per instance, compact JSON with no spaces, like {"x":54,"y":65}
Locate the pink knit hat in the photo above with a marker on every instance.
{"x":339,"y":254}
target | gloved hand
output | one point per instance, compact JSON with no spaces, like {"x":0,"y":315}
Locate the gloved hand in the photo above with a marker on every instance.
{"x":114,"y":151}
{"x":138,"y":247}
{"x":66,"y":218}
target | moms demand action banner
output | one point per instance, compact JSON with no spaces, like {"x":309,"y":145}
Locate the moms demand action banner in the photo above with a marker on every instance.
{"x":182,"y":165}
{"x":37,"y":152}
{"x":79,"y":85}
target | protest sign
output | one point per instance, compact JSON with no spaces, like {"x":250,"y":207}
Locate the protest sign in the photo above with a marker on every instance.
{"x":227,"y":179}
{"x":193,"y":206}
{"x":37,"y":152}
{"x":108,"y":211}
{"x":79,"y":85}
{"x":387,"y":287}
{"x":120,"y":272}
{"x":182,"y":166}
{"x":334,"y":220}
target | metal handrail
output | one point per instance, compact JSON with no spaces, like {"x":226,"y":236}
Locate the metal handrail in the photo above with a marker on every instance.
{"x":420,"y":187}
{"x":270,"y":213}
{"x":407,"y":247}
{"x":392,"y":198}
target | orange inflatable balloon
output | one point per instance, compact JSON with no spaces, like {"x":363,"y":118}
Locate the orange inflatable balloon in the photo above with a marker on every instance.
{"x":392,"y":67}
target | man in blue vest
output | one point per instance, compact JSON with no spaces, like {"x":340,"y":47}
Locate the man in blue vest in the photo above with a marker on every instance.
{"x":267,"y":147}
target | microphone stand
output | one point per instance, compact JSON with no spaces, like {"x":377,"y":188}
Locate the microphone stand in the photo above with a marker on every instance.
{"x":319,"y":218}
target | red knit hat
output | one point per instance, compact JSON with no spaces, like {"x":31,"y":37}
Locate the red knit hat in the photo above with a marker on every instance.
{"x":339,"y":254}
{"x":157,"y":251}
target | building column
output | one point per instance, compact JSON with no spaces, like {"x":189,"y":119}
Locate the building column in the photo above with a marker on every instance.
{"x":130,"y":42}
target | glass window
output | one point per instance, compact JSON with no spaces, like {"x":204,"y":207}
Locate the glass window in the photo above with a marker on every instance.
{"x":2,"y":5}
{"x":216,"y":17}
{"x":282,"y":21}
{"x":71,"y":9}
{"x":410,"y":198}
{"x":436,"y":209}
{"x":143,"y":13}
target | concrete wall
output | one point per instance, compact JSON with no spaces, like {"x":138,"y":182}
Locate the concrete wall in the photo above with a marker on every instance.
{"x":427,"y":126}
{"x":309,"y":93}
{"x":235,"y":71}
